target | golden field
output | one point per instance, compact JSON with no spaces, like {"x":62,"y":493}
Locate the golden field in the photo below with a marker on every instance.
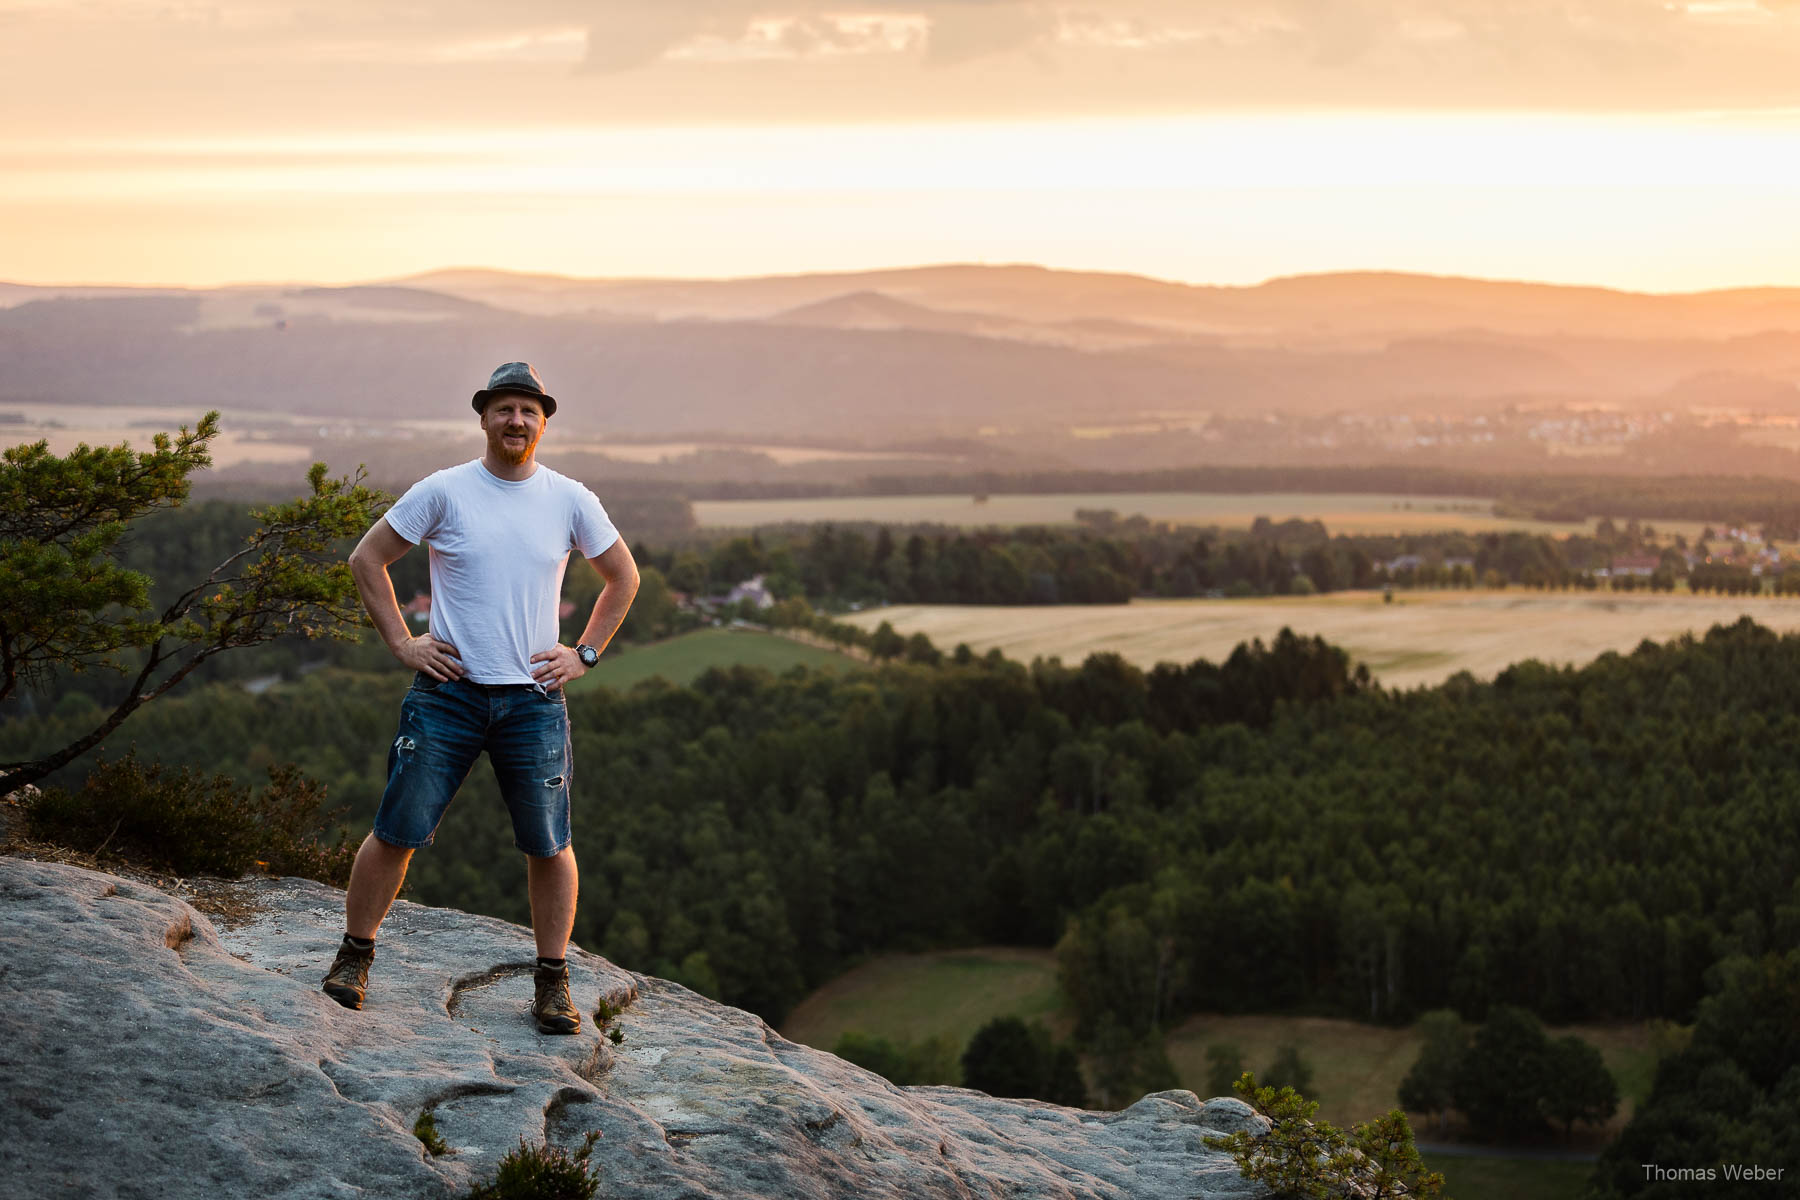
{"x":1341,"y":513}
{"x":1422,"y":638}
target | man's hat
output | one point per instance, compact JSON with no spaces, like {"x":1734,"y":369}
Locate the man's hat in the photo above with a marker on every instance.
{"x":515,"y":377}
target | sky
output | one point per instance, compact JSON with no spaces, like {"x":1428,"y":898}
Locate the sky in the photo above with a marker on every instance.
{"x":1642,"y":144}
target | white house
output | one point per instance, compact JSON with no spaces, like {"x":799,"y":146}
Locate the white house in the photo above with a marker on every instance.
{"x":751,"y":589}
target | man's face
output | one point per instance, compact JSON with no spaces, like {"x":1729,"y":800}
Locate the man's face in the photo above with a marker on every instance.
{"x":513,"y":425}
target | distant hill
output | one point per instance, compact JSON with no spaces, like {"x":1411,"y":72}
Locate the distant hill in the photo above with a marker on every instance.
{"x":1318,"y":310}
{"x":875,"y":310}
{"x":914,"y":354}
{"x":871,"y":310}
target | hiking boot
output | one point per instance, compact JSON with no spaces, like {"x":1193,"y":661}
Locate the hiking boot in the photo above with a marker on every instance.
{"x":349,"y":975}
{"x":554,"y":1011}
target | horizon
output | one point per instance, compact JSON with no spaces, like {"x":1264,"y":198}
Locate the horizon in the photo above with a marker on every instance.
{"x":411,"y":279}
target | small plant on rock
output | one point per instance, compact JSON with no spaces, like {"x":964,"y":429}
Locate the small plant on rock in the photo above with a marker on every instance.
{"x":603,"y":1015}
{"x":426,"y":1130}
{"x":1312,"y":1159}
{"x":541,"y":1173}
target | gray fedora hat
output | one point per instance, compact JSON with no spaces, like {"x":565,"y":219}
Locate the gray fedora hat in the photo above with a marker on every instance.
{"x":518,"y":377}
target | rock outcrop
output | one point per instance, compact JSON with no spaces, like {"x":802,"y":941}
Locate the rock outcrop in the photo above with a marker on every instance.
{"x":149,"y":1051}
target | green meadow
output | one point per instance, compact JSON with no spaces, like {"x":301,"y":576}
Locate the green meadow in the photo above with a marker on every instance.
{"x":1481,"y":1177}
{"x":682,"y":659}
{"x":916,"y":996}
{"x":1357,"y":1068}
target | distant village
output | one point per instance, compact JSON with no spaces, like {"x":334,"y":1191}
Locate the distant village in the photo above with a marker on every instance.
{"x":1725,"y":549}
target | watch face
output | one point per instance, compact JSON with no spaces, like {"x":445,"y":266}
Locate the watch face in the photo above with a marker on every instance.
{"x":589,"y":655}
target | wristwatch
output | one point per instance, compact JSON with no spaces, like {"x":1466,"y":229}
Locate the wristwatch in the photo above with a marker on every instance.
{"x":589,"y":655}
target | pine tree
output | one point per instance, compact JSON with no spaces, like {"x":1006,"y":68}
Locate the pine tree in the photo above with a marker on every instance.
{"x":70,"y":605}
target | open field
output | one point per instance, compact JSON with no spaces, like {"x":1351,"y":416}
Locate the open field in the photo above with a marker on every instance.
{"x":916,"y":996}
{"x":1484,"y":1178}
{"x":1357,"y":1068}
{"x":681,"y":659}
{"x":1342,"y":513}
{"x":1422,"y":638}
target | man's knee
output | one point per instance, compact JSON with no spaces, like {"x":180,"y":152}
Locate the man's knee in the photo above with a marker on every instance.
{"x":388,"y":849}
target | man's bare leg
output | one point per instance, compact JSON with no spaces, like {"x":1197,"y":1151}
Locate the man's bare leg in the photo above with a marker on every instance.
{"x":375,"y":880}
{"x":552,"y":882}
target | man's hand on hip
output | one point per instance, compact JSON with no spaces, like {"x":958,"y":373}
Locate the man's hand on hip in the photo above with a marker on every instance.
{"x":557,"y":665}
{"x":437,"y":659}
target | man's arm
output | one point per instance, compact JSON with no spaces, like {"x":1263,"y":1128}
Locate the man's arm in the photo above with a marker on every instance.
{"x":560,"y":664}
{"x":369,"y":567}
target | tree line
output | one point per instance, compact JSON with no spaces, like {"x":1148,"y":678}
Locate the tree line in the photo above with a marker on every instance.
{"x":1111,"y":560}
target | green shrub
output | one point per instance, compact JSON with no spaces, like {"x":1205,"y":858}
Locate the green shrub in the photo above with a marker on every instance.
{"x":1300,"y":1157}
{"x":1430,"y":1085}
{"x":183,"y":823}
{"x":1007,"y":1057}
{"x":1514,"y":1080}
{"x":426,"y":1130}
{"x":541,"y":1173}
{"x":1224,"y":1064}
{"x":1127,"y":1065}
{"x":1290,"y":1070}
{"x":932,"y":1060}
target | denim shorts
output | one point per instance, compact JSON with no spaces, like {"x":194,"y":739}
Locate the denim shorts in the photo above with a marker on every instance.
{"x":444,"y":727}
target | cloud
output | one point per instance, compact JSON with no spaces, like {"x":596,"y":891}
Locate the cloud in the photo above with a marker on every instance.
{"x":961,"y":32}
{"x":626,"y":35}
{"x":108,"y":68}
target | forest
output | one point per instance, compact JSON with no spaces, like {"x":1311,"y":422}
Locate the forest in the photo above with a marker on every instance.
{"x":1110,"y":560}
{"x":1270,"y":833}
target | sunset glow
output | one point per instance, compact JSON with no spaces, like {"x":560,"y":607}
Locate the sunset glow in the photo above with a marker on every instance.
{"x":901,"y":157}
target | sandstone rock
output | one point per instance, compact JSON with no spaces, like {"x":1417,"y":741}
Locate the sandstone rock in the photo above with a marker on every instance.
{"x":146,"y":1052}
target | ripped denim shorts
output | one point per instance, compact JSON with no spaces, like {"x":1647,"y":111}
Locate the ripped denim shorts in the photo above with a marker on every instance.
{"x":445,"y":726}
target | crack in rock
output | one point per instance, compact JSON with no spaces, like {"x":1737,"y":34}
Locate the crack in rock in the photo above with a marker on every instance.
{"x":461,"y":1090}
{"x":596,"y":1062}
{"x":459,"y":988}
{"x":553,"y":1111}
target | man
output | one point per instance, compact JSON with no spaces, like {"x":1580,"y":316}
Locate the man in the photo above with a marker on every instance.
{"x":489,"y":674}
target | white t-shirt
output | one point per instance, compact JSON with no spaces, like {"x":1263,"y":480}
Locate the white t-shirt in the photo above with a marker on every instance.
{"x":498,"y":551}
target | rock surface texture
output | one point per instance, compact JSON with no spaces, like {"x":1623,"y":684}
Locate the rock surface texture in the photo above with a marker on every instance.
{"x":146,"y":1051}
